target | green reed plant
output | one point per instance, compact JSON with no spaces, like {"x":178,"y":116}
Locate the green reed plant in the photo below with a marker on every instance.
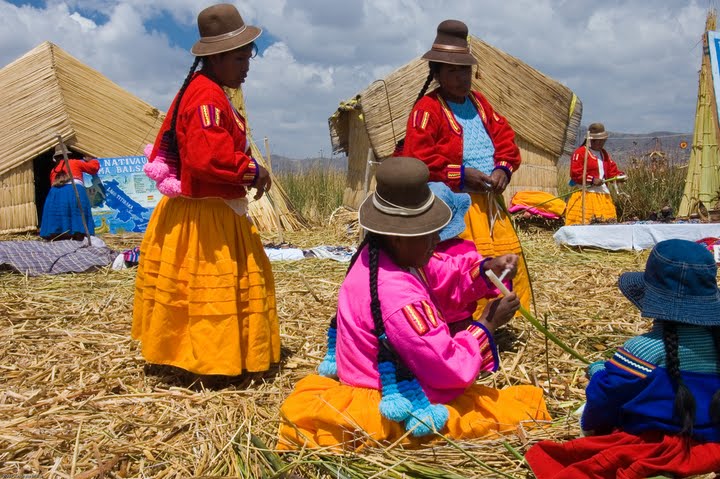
{"x":316,"y":191}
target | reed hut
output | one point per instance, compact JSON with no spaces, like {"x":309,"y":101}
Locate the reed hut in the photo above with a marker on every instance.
{"x":544,"y":114}
{"x":47,"y":92}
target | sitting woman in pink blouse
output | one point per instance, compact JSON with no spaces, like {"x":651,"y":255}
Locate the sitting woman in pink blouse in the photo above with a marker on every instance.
{"x":392,"y":365}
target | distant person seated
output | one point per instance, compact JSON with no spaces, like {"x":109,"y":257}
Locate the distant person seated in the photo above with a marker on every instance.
{"x":599,"y":206}
{"x":62,"y":218}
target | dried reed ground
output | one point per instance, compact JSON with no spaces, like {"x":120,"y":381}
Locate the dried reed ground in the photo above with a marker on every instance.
{"x":77,"y":399}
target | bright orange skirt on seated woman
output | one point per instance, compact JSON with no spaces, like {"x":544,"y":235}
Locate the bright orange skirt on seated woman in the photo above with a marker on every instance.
{"x":493,"y":233}
{"x":204,"y":292}
{"x":598,"y":207}
{"x":321,"y":412}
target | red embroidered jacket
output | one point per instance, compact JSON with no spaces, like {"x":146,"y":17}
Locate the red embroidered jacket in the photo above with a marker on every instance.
{"x":435,"y":137}
{"x":77,"y":167}
{"x":576,"y":166}
{"x":212,"y":140}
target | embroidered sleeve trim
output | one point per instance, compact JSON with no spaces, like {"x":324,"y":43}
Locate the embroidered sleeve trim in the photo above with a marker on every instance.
{"x":454,"y":172}
{"x":250,"y":174}
{"x":209,"y":116}
{"x":416,"y":319}
{"x":430,"y":313}
{"x":420,"y":119}
{"x":631,"y":363}
{"x":488,"y":350}
{"x":505,"y":165}
{"x":476,"y":270}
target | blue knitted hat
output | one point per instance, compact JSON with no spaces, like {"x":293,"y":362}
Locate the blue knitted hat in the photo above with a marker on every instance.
{"x":459,"y":204}
{"x":679,"y":284}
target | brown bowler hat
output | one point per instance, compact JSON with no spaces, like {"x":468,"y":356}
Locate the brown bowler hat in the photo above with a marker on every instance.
{"x":222,"y":29}
{"x":403,"y":204}
{"x":597,"y":131}
{"x":451,"y":44}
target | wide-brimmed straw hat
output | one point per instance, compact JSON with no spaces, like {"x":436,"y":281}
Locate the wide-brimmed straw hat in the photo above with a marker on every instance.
{"x":222,"y":29}
{"x":402,"y":204}
{"x":451,"y":44}
{"x":596,"y":131}
{"x":459,"y":204}
{"x":679,"y":284}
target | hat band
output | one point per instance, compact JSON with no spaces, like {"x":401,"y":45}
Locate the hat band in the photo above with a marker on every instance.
{"x":438,"y":47}
{"x":224,"y":36}
{"x":396,"y":210}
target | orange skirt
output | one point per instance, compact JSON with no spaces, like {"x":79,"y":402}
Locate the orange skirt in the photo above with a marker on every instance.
{"x":204,"y":292}
{"x":501,"y":240}
{"x":321,"y":412}
{"x":598,"y":207}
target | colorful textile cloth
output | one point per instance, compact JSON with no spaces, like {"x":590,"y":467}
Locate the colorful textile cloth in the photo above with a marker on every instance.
{"x":321,"y":412}
{"x":204,"y":293}
{"x":633,"y":392}
{"x":622,"y":455}
{"x":61,"y":214}
{"x":538,"y":203}
{"x":77,"y":167}
{"x":212,"y":139}
{"x":34,"y":258}
{"x":436,"y":137}
{"x":495,"y":241}
{"x":599,"y":207}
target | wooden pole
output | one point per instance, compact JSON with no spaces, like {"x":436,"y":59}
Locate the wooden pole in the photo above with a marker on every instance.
{"x":267,"y":155}
{"x":74,"y":187}
{"x":584,"y":178}
{"x":268,"y":160}
{"x":366,"y":182}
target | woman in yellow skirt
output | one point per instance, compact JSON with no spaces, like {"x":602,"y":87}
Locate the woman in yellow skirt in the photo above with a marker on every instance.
{"x":467,"y":145}
{"x":401,"y":375}
{"x":599,"y":206}
{"x":204,"y":293}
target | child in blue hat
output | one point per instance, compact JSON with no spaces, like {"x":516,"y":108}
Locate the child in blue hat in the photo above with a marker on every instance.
{"x":654,"y":407}
{"x":459,"y":316}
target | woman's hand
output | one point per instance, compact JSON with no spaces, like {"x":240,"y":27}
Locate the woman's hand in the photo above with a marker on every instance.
{"x":499,"y":312}
{"x":597,"y":181}
{"x":476,"y":180}
{"x":501,"y":263}
{"x":499,"y":180}
{"x":263,"y":182}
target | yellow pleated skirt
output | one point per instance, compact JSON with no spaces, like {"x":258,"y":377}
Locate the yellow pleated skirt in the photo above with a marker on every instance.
{"x":599,"y":207}
{"x":204,"y":291}
{"x":499,"y":240}
{"x":321,"y":412}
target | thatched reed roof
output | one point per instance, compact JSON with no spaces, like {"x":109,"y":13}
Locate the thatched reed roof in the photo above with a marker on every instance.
{"x":48,"y":92}
{"x":542,"y":111}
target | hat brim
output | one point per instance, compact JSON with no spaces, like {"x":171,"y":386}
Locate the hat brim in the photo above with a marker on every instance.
{"x":432,"y":220}
{"x":450,"y":58}
{"x":658,"y":304}
{"x":203,"y":48}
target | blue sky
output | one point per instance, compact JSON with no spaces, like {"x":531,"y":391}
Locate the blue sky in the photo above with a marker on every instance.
{"x":632,"y":63}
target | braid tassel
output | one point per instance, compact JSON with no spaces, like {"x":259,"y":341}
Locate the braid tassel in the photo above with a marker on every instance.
{"x":328,"y":366}
{"x":425,"y":417}
{"x":394,"y":405}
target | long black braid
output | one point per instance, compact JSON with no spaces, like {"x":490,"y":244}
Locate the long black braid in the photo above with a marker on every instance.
{"x":715,"y":402}
{"x":684,"y":407}
{"x":169,"y":139}
{"x":434,"y":67}
{"x":386,"y":351}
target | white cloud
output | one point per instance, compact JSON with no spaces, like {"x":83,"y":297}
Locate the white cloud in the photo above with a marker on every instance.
{"x":633,"y":64}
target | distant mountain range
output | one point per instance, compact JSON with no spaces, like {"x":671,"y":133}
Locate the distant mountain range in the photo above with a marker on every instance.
{"x":622,"y":146}
{"x":625,"y":146}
